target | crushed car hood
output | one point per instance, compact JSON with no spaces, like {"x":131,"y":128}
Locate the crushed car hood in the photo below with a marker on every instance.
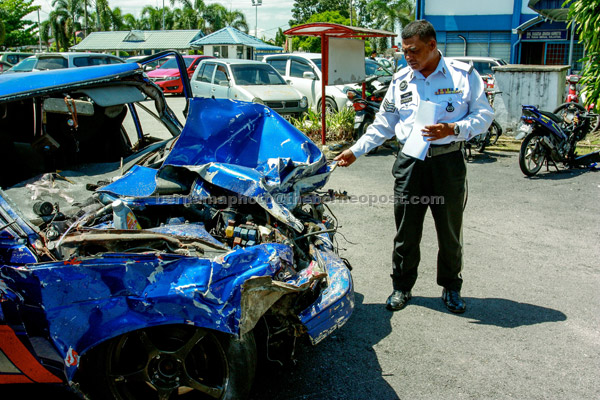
{"x":242,"y":147}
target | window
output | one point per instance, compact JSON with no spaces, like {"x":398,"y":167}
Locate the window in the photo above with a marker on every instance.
{"x":298,"y":68}
{"x":25,"y":65}
{"x":484,"y":68}
{"x":207,"y":73}
{"x":52,"y":63}
{"x":279,"y":65}
{"x":221,"y":51}
{"x":200,"y":73}
{"x":256,"y":75}
{"x":220,"y":75}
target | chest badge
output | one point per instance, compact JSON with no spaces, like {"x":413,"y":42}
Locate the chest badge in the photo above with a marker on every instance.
{"x":403,"y":85}
{"x":450,"y":107}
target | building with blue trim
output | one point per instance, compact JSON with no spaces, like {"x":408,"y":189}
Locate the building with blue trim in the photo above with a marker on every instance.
{"x":518,"y":31}
{"x":232,"y":43}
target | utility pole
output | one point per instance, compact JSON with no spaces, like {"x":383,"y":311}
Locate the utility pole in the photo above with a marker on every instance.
{"x":256,"y":3}
{"x":163,"y":13}
{"x":39,"y":30}
{"x":85,"y":21}
{"x":351,"y":24}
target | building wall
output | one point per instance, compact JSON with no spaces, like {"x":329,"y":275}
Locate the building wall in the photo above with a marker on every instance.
{"x":476,"y":27}
{"x":229,"y":51}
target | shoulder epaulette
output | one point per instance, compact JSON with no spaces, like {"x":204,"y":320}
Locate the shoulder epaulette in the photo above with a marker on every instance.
{"x":468,"y":68}
{"x":402,"y":73}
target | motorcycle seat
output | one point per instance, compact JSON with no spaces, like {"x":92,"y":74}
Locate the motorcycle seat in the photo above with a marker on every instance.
{"x":553,"y":117}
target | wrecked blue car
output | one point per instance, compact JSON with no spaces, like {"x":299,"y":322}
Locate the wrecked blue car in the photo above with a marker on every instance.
{"x":141,"y":266}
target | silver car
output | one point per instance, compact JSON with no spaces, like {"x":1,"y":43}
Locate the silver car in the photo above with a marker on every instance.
{"x":247,"y":80}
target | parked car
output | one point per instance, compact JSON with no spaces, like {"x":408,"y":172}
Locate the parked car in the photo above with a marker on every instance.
{"x":167,"y":75}
{"x":151,"y":66}
{"x":4,"y":66}
{"x":483,"y":65}
{"x":45,"y":61}
{"x":13,"y":57}
{"x":247,"y":80}
{"x":303,"y":72}
{"x":136,"y":267}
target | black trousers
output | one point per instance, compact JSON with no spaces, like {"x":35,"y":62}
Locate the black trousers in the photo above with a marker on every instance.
{"x":438,"y":183}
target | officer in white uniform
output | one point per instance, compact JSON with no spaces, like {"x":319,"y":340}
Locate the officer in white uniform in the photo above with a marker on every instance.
{"x":438,"y":182}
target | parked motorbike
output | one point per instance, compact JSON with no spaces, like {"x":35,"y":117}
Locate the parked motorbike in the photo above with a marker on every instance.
{"x":572,"y":106}
{"x":550,"y":138}
{"x":365,"y":108}
{"x":490,"y":137}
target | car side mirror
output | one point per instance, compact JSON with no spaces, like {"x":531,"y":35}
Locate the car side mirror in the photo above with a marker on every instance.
{"x":309,"y":75}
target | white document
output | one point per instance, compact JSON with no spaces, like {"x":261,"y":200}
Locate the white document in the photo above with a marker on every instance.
{"x":416,"y":145}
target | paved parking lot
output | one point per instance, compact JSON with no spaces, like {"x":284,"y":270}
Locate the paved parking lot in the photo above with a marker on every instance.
{"x":531,"y":330}
{"x":531,"y":279}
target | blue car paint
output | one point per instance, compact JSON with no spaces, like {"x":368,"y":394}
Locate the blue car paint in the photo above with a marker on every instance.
{"x":244,"y":148}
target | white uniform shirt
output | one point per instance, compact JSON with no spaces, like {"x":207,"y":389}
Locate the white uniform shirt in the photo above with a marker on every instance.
{"x":454,"y":86}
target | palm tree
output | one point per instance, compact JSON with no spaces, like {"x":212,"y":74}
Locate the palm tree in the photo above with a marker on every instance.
{"x":214,"y":15}
{"x":387,"y":14}
{"x":56,"y":26}
{"x":70,"y":12}
{"x":132,"y":23}
{"x":236,"y":19}
{"x":151,"y":18}
{"x":191,"y":15}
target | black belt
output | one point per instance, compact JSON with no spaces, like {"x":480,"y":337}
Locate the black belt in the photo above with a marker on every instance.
{"x":438,"y":150}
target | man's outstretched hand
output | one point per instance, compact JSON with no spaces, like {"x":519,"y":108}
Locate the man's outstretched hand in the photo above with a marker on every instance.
{"x":345,"y":158}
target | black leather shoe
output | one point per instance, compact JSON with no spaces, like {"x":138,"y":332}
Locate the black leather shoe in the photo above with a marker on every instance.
{"x":397,"y":300}
{"x":453,"y":301}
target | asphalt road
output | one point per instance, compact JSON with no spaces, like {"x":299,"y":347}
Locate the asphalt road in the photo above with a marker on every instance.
{"x":531,"y":279}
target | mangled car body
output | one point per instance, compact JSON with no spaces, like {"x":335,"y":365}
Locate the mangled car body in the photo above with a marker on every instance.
{"x":136,"y":267}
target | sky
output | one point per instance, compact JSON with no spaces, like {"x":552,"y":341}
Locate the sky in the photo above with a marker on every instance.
{"x":271,"y":15}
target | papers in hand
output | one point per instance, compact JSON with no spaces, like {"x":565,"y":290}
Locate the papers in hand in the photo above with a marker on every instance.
{"x":416,"y":145}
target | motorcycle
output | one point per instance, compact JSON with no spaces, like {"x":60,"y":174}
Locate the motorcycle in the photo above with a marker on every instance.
{"x":365,"y":108}
{"x":550,"y":138}
{"x":490,"y":137}
{"x":572,"y":105}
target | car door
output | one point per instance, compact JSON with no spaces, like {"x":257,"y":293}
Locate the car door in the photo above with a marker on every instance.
{"x":309,"y":87}
{"x":202,"y":82}
{"x":220,"y":85}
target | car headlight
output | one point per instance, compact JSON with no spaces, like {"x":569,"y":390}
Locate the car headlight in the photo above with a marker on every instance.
{"x":303,"y":102}
{"x":258,"y":100}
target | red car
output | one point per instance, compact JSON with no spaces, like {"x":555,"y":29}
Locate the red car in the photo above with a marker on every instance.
{"x":167,"y":75}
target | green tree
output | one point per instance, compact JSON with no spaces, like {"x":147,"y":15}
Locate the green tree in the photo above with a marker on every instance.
{"x":312,"y":44}
{"x":130,"y":22}
{"x":18,"y":31}
{"x":303,"y":10}
{"x":69,"y":12}
{"x":584,"y":14}
{"x":191,"y":16}
{"x":279,"y":38}
{"x":387,"y":15}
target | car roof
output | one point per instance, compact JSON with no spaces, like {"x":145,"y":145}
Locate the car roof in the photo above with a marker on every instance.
{"x":234,"y":61}
{"x":476,"y":58}
{"x":16,"y":86}
{"x":303,"y":55}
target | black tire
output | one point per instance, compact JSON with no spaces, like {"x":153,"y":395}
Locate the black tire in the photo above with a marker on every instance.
{"x":494,"y":133}
{"x":532,"y":154}
{"x":363,"y":128}
{"x":330,"y":106}
{"x":480,"y":147}
{"x":565,"y":110}
{"x":167,"y":362}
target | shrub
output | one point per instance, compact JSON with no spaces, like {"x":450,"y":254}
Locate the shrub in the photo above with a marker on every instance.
{"x":340,"y":125}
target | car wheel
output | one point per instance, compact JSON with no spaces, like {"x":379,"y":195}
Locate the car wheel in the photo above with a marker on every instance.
{"x":330,"y":106}
{"x":169,"y":361}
